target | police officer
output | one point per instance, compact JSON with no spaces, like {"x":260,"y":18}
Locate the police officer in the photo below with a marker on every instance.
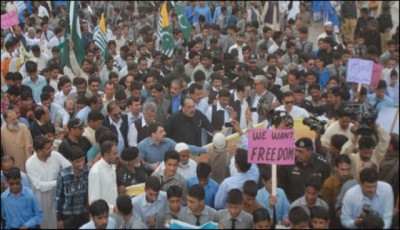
{"x":132,"y":170}
{"x":292,"y":177}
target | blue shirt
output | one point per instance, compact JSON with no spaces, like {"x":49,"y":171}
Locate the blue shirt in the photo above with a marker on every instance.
{"x":23,"y":209}
{"x":83,"y":114}
{"x":229,"y":183}
{"x":145,"y":209}
{"x":381,"y":202}
{"x":176,"y":103}
{"x":211,"y":189}
{"x":217,"y":13}
{"x":282,"y":203}
{"x":393,"y":93}
{"x":205,"y":10}
{"x":152,"y":153}
{"x":110,"y":224}
{"x":324,"y":77}
{"x":379,"y":104}
{"x":36,"y":87}
{"x":189,"y":10}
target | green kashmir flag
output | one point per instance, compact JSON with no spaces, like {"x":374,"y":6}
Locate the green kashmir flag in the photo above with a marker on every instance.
{"x":183,"y":22}
{"x":164,"y":32}
{"x":72,"y":31}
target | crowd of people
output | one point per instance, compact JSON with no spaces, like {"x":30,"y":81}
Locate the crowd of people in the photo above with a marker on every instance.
{"x":75,"y":136}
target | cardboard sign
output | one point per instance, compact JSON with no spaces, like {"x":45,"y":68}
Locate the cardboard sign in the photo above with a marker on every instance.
{"x":271,"y":146}
{"x":376,"y":75}
{"x":8,"y":20}
{"x":359,"y":71}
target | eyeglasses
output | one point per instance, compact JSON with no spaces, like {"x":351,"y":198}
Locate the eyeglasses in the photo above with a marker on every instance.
{"x":289,"y":102}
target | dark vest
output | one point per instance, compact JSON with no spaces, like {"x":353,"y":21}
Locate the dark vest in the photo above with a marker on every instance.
{"x":217,"y":118}
{"x":236,"y":106}
{"x":143,"y":132}
{"x":124,"y":128}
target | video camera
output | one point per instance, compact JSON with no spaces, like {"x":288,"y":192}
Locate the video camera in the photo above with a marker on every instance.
{"x":315,"y":124}
{"x":277,"y":116}
{"x":366,"y":208}
{"x":365,"y":115}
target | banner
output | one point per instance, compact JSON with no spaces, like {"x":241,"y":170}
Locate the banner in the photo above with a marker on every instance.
{"x":359,"y":71}
{"x":183,"y":22}
{"x":9,"y":19}
{"x":176,"y":224}
{"x":271,"y":146}
{"x":100,"y":37}
{"x":376,"y":75}
{"x":72,"y":31}
{"x":164,"y":32}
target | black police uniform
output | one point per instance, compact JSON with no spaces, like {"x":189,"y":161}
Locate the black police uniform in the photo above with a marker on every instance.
{"x":293,"y":177}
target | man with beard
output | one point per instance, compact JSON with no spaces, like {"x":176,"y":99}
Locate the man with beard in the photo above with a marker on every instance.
{"x":185,"y":125}
{"x":328,"y":32}
{"x":16,"y":139}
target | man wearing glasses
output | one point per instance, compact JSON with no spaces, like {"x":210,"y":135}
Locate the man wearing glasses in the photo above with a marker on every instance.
{"x":293,"y":110}
{"x":19,"y":206}
{"x":75,"y":132}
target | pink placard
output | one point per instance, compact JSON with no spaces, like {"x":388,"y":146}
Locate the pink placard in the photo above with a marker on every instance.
{"x":9,"y":19}
{"x":376,"y":75}
{"x":271,"y":146}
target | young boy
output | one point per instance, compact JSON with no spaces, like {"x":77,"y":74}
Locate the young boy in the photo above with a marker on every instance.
{"x":19,"y":206}
{"x":319,"y":218}
{"x":174,"y":195}
{"x":170,"y":176}
{"x":299,"y":218}
{"x":360,"y":49}
{"x":233,"y":217}
{"x":249,"y":204}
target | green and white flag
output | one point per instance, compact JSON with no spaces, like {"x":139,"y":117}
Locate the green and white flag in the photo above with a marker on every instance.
{"x":183,"y":22}
{"x":164,"y":32}
{"x":72,"y":31}
{"x":100,"y":37}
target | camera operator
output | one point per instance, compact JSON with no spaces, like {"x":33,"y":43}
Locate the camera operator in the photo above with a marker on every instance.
{"x":260,"y":99}
{"x":334,"y":104}
{"x":369,"y":148}
{"x":288,"y":106}
{"x":369,"y":196}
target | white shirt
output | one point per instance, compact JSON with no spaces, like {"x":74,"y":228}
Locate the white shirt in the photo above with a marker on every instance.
{"x":42,"y":11}
{"x":243,"y":107}
{"x":43,"y":177}
{"x":89,"y":133}
{"x":333,"y":129}
{"x":41,"y":61}
{"x":121,"y":144}
{"x":133,"y":133}
{"x":103,"y":183}
{"x":60,"y":98}
{"x":239,"y":48}
{"x":296,"y":112}
{"x":55,"y":41}
{"x":219,"y":108}
{"x":187,"y":171}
